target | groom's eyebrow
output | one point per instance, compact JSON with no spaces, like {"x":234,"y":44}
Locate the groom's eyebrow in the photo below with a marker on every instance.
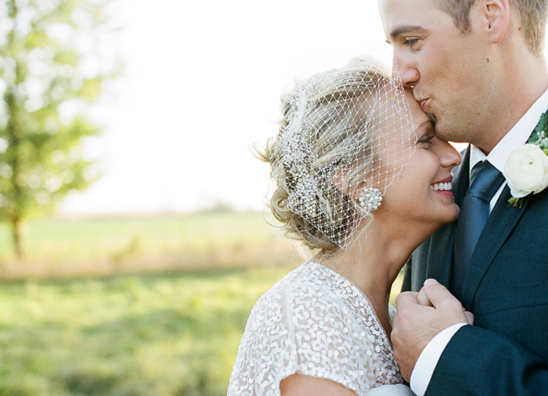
{"x":399,"y":31}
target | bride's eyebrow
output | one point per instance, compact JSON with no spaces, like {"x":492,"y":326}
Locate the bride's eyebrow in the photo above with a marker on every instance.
{"x":425,"y":127}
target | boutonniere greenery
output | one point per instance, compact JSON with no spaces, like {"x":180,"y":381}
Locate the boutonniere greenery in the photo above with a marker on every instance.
{"x":526,"y":170}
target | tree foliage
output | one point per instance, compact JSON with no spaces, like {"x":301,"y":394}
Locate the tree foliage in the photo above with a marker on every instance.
{"x":51,"y":71}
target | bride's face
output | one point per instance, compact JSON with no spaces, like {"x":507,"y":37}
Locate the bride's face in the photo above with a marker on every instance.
{"x":421,"y":191}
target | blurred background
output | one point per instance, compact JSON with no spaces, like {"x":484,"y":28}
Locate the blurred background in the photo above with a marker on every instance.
{"x":201,"y":83}
{"x":133,"y":239}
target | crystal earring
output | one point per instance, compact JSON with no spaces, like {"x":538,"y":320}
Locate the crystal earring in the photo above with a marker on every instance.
{"x":370,"y":199}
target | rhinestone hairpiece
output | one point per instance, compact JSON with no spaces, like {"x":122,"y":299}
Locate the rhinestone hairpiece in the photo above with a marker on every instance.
{"x":329,"y":127}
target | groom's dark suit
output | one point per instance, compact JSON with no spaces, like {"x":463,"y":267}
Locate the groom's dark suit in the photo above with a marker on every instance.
{"x":506,"y":288}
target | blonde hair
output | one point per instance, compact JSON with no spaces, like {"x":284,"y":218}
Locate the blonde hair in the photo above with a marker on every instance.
{"x":332,"y":126}
{"x":533,"y":14}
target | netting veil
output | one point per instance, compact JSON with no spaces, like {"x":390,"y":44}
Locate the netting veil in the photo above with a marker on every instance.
{"x":344,"y":135}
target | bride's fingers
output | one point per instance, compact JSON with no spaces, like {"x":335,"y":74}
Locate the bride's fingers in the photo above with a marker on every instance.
{"x":423,"y":300}
{"x":469,"y":317}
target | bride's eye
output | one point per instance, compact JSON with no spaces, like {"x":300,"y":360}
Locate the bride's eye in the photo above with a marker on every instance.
{"x":426,"y":139}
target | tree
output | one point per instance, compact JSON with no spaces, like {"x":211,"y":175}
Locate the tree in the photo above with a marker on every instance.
{"x":50,"y":73}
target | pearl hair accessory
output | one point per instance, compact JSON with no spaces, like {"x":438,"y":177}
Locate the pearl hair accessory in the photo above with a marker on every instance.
{"x":370,"y":199}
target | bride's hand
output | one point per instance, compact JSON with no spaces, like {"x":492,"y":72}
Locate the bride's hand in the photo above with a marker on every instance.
{"x":423,"y":299}
{"x":470,"y":317}
{"x":420,"y":317}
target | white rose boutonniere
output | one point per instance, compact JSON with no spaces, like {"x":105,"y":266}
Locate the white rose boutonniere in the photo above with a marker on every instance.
{"x":526,"y":170}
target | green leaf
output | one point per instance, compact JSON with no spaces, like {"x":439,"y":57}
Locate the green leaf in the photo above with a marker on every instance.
{"x":541,"y":126}
{"x":516,"y":202}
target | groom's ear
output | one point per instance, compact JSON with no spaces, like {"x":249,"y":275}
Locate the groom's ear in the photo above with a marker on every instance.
{"x":497,"y":18}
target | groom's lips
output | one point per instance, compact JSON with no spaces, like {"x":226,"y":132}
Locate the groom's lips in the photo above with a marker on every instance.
{"x":424,"y":104}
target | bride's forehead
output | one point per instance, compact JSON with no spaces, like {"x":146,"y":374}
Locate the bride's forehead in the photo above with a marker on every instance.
{"x":397,"y":113}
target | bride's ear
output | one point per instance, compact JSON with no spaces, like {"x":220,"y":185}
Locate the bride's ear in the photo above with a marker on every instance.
{"x":342,"y":183}
{"x":340,"y":180}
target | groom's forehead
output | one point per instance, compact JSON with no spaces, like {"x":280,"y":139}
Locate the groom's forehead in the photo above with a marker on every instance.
{"x":405,"y":16}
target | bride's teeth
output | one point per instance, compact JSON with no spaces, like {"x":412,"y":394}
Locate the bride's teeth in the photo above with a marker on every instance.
{"x":441,"y":187}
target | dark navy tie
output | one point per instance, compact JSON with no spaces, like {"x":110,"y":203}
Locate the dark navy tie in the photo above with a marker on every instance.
{"x":485,"y":180}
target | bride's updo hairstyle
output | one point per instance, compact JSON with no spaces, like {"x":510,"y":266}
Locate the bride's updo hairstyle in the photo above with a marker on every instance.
{"x":326,"y":159}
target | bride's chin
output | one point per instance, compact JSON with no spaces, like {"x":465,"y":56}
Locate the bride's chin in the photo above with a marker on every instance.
{"x":452,"y":213}
{"x":449,"y":215}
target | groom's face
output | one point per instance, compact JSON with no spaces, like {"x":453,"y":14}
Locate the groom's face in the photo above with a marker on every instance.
{"x":446,"y":68}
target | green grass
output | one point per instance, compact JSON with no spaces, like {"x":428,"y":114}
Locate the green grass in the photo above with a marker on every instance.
{"x":170,"y":334}
{"x":115,"y":245}
{"x":82,"y":236}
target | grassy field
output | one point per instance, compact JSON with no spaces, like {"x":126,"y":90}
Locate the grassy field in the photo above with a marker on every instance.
{"x":117,"y":245}
{"x":133,"y":306}
{"x":169,"y":334}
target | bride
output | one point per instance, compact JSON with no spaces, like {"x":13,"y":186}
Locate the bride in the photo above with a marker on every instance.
{"x":361,"y":180}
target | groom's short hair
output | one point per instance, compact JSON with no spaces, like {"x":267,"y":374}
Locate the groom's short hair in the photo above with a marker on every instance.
{"x":533,"y":16}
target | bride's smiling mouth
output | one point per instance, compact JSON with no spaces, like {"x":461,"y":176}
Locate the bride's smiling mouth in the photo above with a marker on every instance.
{"x":442,"y":186}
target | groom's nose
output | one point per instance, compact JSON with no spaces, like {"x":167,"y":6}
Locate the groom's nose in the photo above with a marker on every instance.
{"x":408,"y":73}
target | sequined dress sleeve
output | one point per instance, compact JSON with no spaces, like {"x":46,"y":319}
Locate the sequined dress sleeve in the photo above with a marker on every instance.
{"x":313,"y":322}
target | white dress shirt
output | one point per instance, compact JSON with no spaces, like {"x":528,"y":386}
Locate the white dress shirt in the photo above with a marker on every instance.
{"x":516,"y":137}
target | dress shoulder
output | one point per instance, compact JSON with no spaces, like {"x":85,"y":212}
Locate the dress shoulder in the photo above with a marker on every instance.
{"x":313,"y":322}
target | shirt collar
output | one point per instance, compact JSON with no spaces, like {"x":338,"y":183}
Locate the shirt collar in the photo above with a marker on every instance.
{"x":516,"y":137}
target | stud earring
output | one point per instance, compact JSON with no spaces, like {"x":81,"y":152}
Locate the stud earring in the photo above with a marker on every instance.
{"x":370,"y":199}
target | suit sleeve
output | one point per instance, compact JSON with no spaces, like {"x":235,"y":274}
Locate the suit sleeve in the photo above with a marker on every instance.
{"x":480,"y":362}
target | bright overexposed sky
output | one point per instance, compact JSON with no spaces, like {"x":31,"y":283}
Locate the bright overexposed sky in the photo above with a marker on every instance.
{"x":202,"y":82}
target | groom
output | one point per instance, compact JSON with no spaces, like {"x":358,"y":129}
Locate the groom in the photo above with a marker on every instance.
{"x":477,"y":68}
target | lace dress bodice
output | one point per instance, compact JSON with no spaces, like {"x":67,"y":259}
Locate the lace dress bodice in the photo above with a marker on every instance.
{"x":313,"y":322}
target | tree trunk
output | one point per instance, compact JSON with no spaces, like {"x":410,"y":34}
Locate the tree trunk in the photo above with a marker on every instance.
{"x":16,"y":235}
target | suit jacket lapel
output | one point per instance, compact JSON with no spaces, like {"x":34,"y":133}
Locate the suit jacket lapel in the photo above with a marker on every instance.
{"x":440,"y":255}
{"x":462,"y":175}
{"x":499,"y":225}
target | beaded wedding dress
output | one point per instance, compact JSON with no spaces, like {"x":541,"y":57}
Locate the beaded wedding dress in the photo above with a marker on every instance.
{"x":317,"y":323}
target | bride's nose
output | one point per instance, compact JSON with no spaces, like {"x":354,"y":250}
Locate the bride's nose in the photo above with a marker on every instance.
{"x":449,"y":156}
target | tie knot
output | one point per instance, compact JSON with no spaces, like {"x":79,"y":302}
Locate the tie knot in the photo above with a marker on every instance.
{"x":485,"y":180}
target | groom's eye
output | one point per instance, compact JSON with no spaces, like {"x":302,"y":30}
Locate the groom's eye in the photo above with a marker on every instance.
{"x":410,"y":41}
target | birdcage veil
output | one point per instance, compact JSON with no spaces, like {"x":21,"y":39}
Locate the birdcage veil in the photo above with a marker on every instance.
{"x":344,"y":136}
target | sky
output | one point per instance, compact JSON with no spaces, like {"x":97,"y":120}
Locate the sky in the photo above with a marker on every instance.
{"x":202,"y":84}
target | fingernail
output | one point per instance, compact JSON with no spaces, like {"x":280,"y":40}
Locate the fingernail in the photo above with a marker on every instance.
{"x":429,"y":282}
